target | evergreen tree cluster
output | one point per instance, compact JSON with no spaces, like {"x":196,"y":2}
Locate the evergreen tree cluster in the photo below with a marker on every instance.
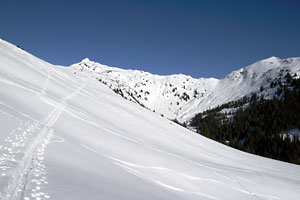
{"x":258,"y":125}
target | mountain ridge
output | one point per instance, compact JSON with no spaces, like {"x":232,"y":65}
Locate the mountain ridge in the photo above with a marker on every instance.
{"x":180,"y":96}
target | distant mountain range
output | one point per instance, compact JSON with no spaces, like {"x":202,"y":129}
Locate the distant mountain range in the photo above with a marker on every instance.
{"x":180,"y":96}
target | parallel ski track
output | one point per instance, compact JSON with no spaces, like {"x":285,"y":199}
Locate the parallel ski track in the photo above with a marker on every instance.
{"x":17,"y":185}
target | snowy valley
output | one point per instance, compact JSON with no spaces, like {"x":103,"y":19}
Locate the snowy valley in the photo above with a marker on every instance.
{"x":65,"y":135}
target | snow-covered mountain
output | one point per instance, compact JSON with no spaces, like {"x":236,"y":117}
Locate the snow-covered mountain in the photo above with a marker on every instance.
{"x":180,"y":96}
{"x":65,"y":136}
{"x":167,"y":95}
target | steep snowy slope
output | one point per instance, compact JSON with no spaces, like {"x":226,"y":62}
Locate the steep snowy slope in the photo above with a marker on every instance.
{"x":245,"y":81}
{"x":180,"y":96}
{"x":65,"y":136}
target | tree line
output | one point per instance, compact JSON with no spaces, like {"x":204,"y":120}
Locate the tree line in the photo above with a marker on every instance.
{"x":258,"y":125}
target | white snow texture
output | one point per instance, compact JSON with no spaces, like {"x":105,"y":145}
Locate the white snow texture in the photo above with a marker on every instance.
{"x":66,"y":136}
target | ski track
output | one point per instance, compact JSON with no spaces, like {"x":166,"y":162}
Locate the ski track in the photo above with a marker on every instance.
{"x":25,"y":151}
{"x":138,"y":170}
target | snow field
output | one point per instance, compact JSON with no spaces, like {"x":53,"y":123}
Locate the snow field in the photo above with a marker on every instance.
{"x":67,"y":136}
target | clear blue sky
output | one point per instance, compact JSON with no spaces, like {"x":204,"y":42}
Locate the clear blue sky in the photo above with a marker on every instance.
{"x":204,"y":38}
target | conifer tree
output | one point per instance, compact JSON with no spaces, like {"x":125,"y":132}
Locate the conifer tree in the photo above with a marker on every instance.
{"x":205,"y":130}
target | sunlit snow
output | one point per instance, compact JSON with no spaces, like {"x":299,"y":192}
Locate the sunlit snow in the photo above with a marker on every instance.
{"x":67,"y":136}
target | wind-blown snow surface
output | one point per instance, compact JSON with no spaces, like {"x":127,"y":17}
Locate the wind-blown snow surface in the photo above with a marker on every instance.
{"x":180,"y":96}
{"x":65,"y":136}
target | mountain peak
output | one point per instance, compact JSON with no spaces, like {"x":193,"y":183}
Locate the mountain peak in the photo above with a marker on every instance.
{"x":85,"y":60}
{"x":271,"y":59}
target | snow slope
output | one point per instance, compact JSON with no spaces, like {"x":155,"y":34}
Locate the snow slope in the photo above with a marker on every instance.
{"x":246,"y":81}
{"x":180,"y":96}
{"x":65,"y":136}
